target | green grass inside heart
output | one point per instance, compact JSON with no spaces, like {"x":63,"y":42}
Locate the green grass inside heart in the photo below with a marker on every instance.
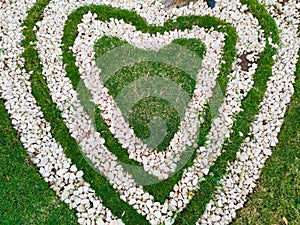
{"x":147,"y":119}
{"x":151,"y":108}
{"x":106,"y":44}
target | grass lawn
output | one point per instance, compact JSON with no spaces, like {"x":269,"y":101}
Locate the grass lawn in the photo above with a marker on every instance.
{"x":27,"y":199}
{"x":277,"y":195}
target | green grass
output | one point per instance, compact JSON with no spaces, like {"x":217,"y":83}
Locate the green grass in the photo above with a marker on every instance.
{"x":143,"y":111}
{"x":129,"y":74}
{"x":25,"y":197}
{"x":277,"y":195}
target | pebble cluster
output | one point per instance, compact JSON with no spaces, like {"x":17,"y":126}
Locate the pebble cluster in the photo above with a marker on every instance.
{"x":67,"y":181}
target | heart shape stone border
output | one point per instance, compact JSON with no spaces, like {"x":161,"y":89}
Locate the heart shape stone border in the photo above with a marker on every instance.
{"x":103,"y":160}
{"x":92,"y":80}
{"x":185,"y":202}
{"x":93,"y":72}
{"x":28,"y":138}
